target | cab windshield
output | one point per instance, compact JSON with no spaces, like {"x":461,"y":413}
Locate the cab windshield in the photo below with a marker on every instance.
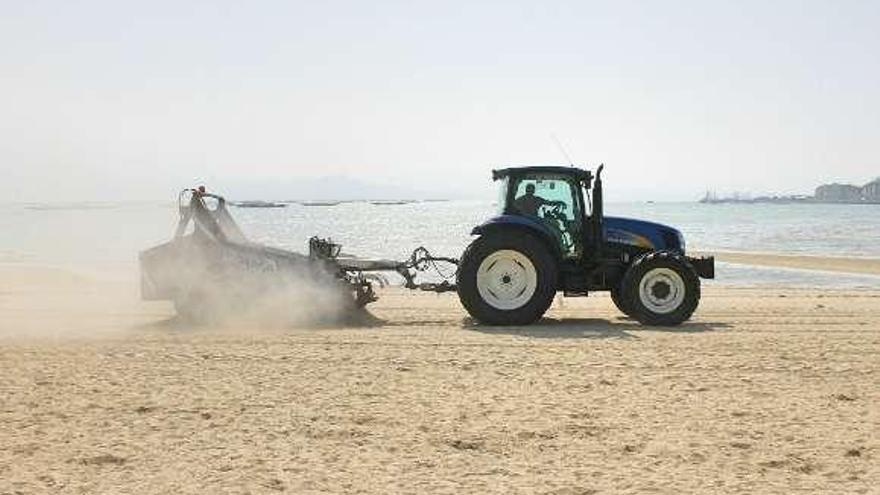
{"x":554,"y":201}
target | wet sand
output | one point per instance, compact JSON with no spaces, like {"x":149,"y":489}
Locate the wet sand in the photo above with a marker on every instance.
{"x":862,"y":266}
{"x":764,"y":391}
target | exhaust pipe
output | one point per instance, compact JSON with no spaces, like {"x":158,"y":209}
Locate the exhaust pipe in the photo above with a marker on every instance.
{"x":598,"y":218}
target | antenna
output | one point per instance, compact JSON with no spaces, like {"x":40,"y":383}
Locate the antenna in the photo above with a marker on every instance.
{"x":562,"y":149}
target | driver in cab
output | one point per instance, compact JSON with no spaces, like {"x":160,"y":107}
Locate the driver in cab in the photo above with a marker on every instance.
{"x":529,"y":203}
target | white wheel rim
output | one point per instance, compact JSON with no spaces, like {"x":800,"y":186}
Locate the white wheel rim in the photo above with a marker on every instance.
{"x":662,"y":290}
{"x":507,"y":279}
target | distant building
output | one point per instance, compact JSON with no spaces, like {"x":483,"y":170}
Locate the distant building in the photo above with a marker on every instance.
{"x":871,"y":191}
{"x":838,"y":193}
{"x":826,"y":193}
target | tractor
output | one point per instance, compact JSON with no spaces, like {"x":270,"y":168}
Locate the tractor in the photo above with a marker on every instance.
{"x":549,"y":236}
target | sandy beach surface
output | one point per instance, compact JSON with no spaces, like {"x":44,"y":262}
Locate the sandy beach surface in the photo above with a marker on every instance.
{"x":768,"y":390}
{"x":861,"y":266}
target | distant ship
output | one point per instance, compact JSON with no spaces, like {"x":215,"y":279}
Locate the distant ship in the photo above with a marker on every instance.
{"x":392,"y":202}
{"x":712,"y":198}
{"x":320,"y":203}
{"x":259,"y":204}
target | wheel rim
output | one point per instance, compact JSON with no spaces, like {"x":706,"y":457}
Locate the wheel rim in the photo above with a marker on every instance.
{"x":662,"y":290}
{"x":507,"y":279}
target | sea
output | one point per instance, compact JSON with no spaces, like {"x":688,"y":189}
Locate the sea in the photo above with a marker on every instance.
{"x":108,"y":236}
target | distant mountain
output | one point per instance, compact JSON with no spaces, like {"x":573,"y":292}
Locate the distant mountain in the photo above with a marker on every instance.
{"x":321,"y":189}
{"x":848,"y":193}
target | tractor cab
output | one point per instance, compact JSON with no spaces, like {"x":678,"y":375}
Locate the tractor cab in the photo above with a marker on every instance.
{"x":554,"y":201}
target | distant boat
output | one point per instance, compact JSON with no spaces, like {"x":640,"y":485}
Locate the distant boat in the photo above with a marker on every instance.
{"x":391,"y":202}
{"x":320,"y":203}
{"x":259,"y":204}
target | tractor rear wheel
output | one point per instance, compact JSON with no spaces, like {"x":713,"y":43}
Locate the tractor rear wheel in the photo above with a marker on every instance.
{"x":507,"y":278}
{"x":660,"y":288}
{"x":617,"y":298}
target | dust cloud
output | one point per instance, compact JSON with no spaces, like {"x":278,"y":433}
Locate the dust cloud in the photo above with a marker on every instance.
{"x":81,"y":303}
{"x":297,"y":297}
{"x":80,"y":277}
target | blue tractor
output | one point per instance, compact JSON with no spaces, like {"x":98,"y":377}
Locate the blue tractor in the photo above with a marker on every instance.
{"x":550,"y":236}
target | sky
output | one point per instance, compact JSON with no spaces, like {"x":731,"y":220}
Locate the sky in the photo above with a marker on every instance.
{"x":108,"y":100}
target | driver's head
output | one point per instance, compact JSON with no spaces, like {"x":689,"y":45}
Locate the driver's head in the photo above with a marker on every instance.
{"x":530,"y":189}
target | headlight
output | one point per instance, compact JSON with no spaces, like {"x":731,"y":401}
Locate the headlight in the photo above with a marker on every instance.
{"x":681,"y":242}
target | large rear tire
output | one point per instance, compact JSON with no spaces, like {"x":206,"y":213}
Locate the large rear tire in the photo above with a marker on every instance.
{"x":660,"y":288}
{"x":507,"y":278}
{"x":618,"y":300}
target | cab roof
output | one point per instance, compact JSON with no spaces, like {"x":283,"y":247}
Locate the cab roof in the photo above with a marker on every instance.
{"x":578,"y":173}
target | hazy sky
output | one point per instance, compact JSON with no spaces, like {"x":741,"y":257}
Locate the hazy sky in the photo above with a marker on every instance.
{"x":112,"y":99}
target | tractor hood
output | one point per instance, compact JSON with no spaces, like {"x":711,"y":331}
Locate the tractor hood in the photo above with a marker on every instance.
{"x":628,"y":231}
{"x":643,"y":234}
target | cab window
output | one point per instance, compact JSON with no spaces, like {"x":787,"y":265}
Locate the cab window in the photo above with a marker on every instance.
{"x":554,"y":201}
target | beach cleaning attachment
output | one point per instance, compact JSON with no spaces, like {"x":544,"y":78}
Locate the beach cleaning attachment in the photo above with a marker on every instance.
{"x":209,"y":259}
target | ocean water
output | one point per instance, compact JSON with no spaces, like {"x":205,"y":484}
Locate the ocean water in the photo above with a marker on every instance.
{"x":111,"y":234}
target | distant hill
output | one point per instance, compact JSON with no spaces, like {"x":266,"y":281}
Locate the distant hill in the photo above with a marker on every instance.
{"x":848,"y":193}
{"x":320,"y":189}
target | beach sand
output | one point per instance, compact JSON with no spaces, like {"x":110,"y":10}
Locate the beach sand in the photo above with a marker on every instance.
{"x":768,"y":390}
{"x":861,"y":266}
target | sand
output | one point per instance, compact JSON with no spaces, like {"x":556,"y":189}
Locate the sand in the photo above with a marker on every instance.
{"x":863,"y":266}
{"x":765,"y":391}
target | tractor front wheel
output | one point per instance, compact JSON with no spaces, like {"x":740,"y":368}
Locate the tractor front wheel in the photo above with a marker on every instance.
{"x":660,"y":288}
{"x":507,"y":278}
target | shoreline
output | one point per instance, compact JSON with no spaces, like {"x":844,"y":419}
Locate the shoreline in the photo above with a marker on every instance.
{"x":852,"y":265}
{"x":804,"y":263}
